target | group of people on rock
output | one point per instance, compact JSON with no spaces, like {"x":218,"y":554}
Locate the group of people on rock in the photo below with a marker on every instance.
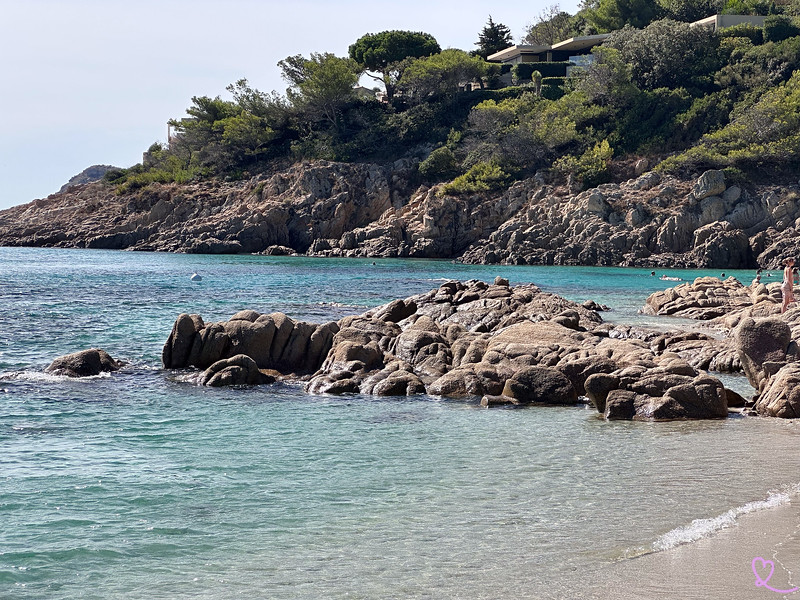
{"x":790,"y":278}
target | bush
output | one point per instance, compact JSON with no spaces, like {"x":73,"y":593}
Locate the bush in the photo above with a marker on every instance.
{"x":591,"y":168}
{"x":553,"y":80}
{"x":523,"y":71}
{"x":483,"y":177}
{"x":552,"y":92}
{"x":554,"y":69}
{"x":440,"y":163}
{"x":778,"y":28}
{"x":745,"y":30}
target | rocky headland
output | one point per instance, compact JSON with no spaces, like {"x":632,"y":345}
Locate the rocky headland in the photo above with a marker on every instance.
{"x":337,"y":209}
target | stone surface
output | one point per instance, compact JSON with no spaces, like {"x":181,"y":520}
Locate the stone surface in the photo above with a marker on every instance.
{"x":336,"y":209}
{"x":237,"y":370}
{"x":543,"y":385}
{"x":472,"y":340}
{"x":84,"y":364}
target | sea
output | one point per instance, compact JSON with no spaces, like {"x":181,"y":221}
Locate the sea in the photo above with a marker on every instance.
{"x":138,"y":485}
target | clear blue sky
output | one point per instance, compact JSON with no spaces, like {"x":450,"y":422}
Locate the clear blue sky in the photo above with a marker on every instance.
{"x":94,"y":81}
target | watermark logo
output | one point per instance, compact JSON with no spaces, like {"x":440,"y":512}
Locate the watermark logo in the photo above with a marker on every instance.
{"x":767,"y":567}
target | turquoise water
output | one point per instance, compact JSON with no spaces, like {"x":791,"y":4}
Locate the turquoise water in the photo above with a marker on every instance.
{"x":139,"y":486}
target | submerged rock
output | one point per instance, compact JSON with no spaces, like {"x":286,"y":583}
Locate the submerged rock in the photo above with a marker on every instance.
{"x":84,"y":364}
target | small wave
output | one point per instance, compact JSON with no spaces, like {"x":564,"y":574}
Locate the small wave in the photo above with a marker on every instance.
{"x":340,"y":305}
{"x":703,"y":528}
{"x":42,"y":377}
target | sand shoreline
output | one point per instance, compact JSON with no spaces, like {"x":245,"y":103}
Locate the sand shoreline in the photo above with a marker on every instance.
{"x":719,"y":566}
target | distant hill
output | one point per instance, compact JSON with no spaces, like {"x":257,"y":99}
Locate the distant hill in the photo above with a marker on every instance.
{"x":88,"y":175}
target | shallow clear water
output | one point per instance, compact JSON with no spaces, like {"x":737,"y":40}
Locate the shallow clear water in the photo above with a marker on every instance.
{"x":139,"y":486}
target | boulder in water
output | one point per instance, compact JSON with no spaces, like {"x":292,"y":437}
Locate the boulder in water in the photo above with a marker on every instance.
{"x":84,"y":364}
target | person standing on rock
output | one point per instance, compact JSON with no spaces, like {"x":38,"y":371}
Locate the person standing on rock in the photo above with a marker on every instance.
{"x":787,"y":287}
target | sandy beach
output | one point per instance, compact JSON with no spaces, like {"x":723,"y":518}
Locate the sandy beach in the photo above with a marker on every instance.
{"x":720,"y":566}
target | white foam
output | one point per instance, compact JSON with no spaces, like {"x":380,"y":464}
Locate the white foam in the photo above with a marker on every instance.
{"x":703,"y":528}
{"x":42,"y":377}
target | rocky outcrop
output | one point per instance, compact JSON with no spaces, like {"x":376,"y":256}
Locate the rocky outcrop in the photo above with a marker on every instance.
{"x":336,"y":209}
{"x":272,"y":341}
{"x":704,"y":299}
{"x":649,"y":221}
{"x":503,"y":344}
{"x":292,"y":208}
{"x":84,"y":364}
{"x":756,"y":338}
{"x":88,"y":175}
{"x":771,"y":360}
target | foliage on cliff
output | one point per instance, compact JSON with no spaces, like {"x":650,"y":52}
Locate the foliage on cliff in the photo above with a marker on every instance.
{"x":726,"y":99}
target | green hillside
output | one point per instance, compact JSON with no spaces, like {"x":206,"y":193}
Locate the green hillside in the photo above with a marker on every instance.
{"x":687,"y":98}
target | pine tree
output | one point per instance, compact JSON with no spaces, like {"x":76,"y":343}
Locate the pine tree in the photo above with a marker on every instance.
{"x":493,"y":38}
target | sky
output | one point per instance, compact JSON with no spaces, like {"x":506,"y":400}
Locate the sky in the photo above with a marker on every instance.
{"x":87,"y":82}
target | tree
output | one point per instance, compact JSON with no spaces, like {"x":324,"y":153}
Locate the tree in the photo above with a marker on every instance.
{"x":612,"y":15}
{"x":442,"y":73}
{"x":778,"y":28}
{"x":690,"y":11}
{"x":552,"y":25}
{"x":493,"y":38}
{"x":668,"y":54}
{"x":321,"y":85}
{"x":386,"y":52}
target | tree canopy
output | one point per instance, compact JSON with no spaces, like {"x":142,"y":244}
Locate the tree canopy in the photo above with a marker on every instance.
{"x":322,"y":84}
{"x":552,"y":25}
{"x":667,"y":53}
{"x":493,"y":38}
{"x":611,"y":15}
{"x":442,"y":73}
{"x":725,"y":99}
{"x":385,"y":52}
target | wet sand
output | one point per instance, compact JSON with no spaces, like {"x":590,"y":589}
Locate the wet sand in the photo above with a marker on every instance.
{"x":720,"y":566}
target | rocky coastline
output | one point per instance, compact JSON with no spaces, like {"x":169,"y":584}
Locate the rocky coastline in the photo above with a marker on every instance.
{"x":366,"y":210}
{"x":504,"y":345}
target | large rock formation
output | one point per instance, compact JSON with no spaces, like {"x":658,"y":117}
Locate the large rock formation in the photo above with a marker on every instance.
{"x":756,"y":338}
{"x":338,"y":209}
{"x":293,"y":208}
{"x":273,"y":342}
{"x":507,"y":345}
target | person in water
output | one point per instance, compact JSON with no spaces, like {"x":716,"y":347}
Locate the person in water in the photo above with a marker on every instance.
{"x":787,"y":287}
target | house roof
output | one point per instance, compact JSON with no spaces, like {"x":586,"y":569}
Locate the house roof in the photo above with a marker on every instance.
{"x":580,"y":42}
{"x":572,"y":44}
{"x":512,"y":51}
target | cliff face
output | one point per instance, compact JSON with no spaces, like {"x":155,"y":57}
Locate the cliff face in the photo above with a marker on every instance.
{"x":334,"y":209}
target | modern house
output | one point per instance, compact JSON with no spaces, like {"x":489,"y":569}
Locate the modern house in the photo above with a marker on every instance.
{"x":562,"y":51}
{"x":718,"y":22}
{"x":578,"y":49}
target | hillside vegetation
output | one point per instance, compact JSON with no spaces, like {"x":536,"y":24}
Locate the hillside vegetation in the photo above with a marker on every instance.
{"x":688,"y":98}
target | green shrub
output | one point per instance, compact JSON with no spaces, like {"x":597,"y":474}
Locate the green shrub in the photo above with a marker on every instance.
{"x":744,"y":30}
{"x":440,"y":163}
{"x":552,"y":92}
{"x":553,"y":80}
{"x":778,"y":28}
{"x":591,"y":168}
{"x":483,"y":177}
{"x":553,"y":69}
{"x":523,"y":71}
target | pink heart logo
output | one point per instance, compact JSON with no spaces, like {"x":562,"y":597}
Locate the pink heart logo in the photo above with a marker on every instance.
{"x":765,"y":564}
{"x":759,"y":565}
